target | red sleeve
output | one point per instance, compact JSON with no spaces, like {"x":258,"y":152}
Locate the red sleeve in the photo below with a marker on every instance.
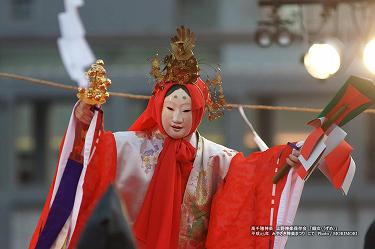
{"x":244,"y":200}
{"x":44,"y":215}
{"x":101,"y":172}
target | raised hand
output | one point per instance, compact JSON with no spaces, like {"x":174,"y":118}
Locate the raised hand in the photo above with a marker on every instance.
{"x":84,"y":112}
{"x":293,"y":160}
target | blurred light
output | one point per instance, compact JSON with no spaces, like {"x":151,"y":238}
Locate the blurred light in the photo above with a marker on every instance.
{"x":322,"y":60}
{"x":369,"y":56}
{"x":283,"y":37}
{"x":264,"y":37}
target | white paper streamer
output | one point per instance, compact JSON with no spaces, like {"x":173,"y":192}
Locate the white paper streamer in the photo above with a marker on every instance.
{"x":258,"y":140}
{"x":75,"y":52}
{"x":73,"y":4}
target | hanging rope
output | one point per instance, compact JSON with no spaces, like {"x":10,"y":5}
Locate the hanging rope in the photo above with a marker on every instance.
{"x":145,"y":97}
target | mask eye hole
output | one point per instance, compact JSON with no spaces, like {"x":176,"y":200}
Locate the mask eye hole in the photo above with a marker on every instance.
{"x":187,"y":111}
{"x":170,"y":108}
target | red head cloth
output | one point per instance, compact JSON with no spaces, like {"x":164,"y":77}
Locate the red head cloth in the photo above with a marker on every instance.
{"x":158,"y":222}
{"x":151,"y":117}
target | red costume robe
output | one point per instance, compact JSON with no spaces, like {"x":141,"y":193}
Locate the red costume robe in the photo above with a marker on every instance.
{"x":226,"y":194}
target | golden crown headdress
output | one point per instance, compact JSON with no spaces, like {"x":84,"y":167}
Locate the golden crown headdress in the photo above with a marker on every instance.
{"x":181,"y":66}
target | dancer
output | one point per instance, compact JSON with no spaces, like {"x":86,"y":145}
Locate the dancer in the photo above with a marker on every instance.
{"x":167,"y":173}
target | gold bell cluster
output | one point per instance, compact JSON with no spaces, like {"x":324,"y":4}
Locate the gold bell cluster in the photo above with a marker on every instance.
{"x":97,"y":92}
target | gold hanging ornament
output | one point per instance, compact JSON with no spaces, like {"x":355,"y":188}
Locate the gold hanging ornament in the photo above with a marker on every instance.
{"x":216,"y":104}
{"x":97,"y":92}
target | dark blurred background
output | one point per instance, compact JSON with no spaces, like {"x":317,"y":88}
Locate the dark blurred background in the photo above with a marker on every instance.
{"x":260,"y":47}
